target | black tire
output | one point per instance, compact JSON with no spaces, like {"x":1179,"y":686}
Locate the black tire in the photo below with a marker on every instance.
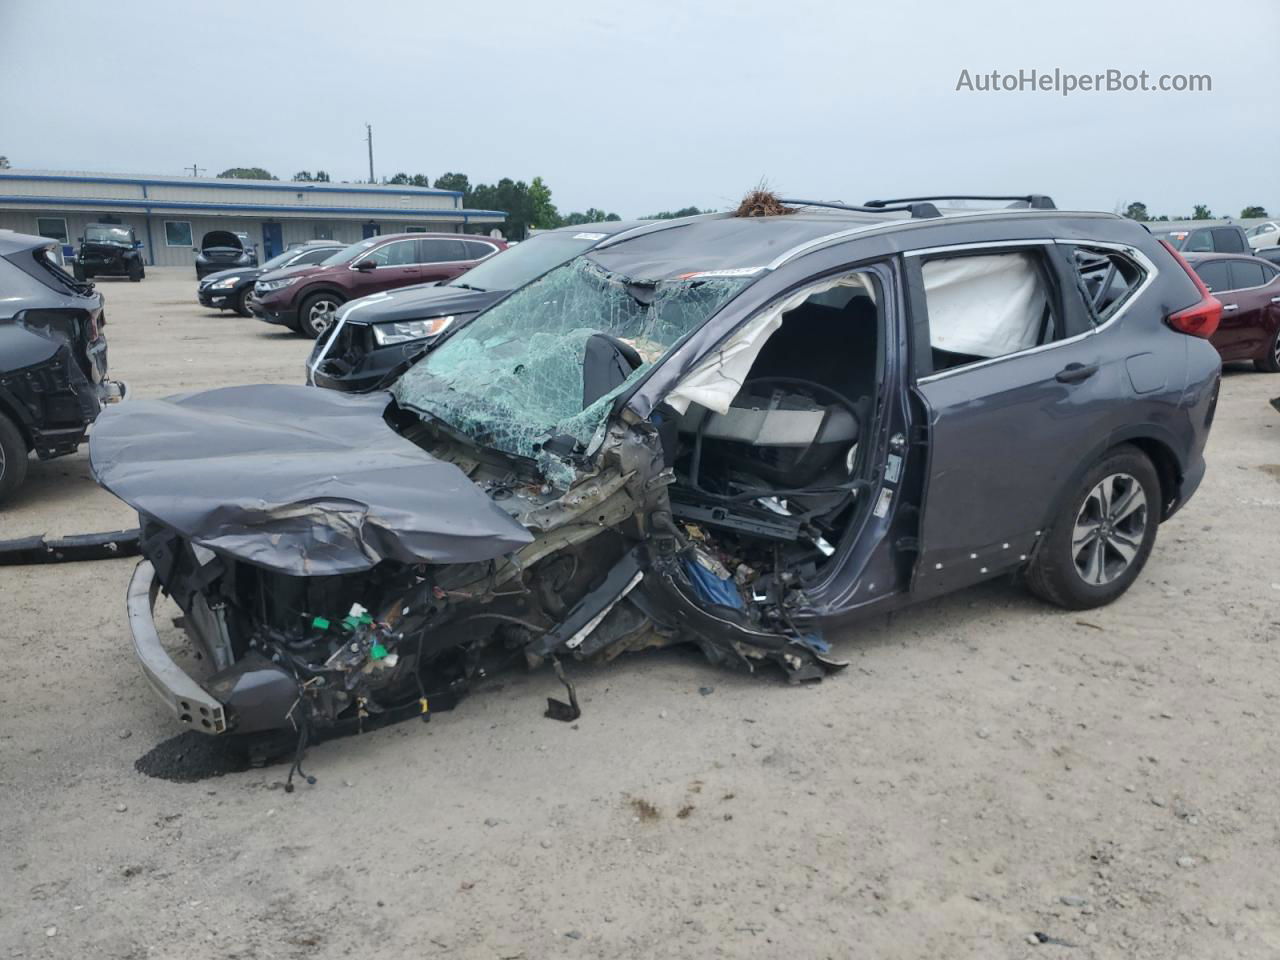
{"x":312,"y":308}
{"x":136,"y":272}
{"x":242,"y":302}
{"x":13,"y":458}
{"x":1270,"y":361}
{"x":77,"y":271}
{"x":1081,"y":571}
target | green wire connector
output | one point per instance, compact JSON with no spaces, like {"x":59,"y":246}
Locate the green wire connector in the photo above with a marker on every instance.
{"x":377,"y":652}
{"x":320,"y":623}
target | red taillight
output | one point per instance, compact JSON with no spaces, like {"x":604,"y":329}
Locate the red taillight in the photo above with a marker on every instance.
{"x":1200,"y":319}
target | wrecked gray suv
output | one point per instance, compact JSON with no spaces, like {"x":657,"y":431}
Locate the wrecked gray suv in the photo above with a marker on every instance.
{"x":730,"y":431}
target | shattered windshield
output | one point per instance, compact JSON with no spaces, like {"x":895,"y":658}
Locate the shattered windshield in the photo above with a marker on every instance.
{"x":514,"y":378}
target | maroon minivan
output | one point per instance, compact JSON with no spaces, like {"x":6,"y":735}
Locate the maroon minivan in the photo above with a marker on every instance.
{"x":1249,"y":289}
{"x":306,"y":298}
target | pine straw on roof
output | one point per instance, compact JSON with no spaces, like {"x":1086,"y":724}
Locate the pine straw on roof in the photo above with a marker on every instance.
{"x":762,"y":203}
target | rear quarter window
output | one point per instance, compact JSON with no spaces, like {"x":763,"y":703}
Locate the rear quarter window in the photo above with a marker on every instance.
{"x":1108,"y":279}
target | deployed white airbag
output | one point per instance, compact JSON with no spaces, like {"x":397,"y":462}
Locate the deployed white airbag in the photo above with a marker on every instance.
{"x":984,"y":306}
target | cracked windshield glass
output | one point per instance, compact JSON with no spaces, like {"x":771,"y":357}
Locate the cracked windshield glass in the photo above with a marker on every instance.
{"x":518,"y":375}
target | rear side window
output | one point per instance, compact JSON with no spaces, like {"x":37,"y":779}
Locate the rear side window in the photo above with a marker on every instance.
{"x":985,"y":306}
{"x":1200,"y":241}
{"x":1246,"y":274}
{"x":477,"y":250}
{"x":1107,"y":279}
{"x":1215,"y":275}
{"x":1228,"y":240}
{"x":442,"y":251}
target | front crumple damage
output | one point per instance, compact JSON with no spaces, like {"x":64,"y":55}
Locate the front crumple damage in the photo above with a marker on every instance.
{"x":343,"y":560}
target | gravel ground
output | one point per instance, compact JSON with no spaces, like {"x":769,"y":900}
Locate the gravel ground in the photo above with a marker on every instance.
{"x":988,"y":768}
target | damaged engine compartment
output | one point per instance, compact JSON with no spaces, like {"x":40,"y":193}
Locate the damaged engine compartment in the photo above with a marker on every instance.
{"x":354,"y":560}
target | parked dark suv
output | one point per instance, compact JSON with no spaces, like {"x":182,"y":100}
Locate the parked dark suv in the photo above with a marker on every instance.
{"x":109,"y":250}
{"x":53,"y":357}
{"x":222,"y":249}
{"x":306,"y":299}
{"x":1220,"y":239}
{"x":734,"y":431}
{"x":375,"y":340}
{"x":231,"y":289}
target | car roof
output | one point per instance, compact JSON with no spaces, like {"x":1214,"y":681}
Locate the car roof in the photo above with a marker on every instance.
{"x":12,"y":242}
{"x":667,"y":249}
{"x":430,"y":236}
{"x":607,"y":227}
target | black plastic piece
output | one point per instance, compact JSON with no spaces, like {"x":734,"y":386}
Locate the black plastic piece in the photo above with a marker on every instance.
{"x":87,"y":546}
{"x":918,"y":211}
{"x":1035,"y":201}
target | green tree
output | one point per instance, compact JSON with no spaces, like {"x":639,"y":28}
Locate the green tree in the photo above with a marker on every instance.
{"x":1248,"y":213}
{"x":4,"y":163}
{"x":590,"y":215}
{"x":543,"y":211}
{"x":1201,"y":212}
{"x":1136,"y":211}
{"x":304,"y":176}
{"x":454,"y":181}
{"x":682,"y":212}
{"x":245,"y":173}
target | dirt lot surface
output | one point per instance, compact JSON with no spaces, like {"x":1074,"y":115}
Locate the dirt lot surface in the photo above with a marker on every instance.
{"x":987,"y":768}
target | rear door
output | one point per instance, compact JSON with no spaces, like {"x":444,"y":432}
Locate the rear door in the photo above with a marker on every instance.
{"x":1257,"y":298}
{"x":1019,"y":383}
{"x":1232,"y":337}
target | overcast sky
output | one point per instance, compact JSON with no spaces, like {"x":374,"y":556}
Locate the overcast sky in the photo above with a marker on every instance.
{"x":640,"y":107}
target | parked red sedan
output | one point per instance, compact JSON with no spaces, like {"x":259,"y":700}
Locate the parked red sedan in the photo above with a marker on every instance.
{"x":306,"y":298}
{"x":1249,"y":289}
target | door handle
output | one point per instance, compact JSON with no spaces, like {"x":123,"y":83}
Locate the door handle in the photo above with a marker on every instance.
{"x":1076,"y":372}
{"x":1275,"y":299}
{"x":1228,"y":307}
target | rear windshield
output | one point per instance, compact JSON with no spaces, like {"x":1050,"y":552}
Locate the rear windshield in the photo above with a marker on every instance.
{"x":1175,"y":238}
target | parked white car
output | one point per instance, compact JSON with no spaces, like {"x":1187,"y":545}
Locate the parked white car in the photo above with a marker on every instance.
{"x":1264,"y":235}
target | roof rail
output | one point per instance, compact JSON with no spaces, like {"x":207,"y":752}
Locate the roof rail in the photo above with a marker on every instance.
{"x":654,"y":226}
{"x":917,"y":210}
{"x":1036,"y":201}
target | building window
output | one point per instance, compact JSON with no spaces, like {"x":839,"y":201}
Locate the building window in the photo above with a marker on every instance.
{"x":323,"y":231}
{"x":177,"y":233}
{"x":55,"y":228}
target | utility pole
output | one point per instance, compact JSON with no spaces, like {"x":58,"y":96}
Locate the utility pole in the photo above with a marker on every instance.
{"x":369,"y":137}
{"x":195,"y":171}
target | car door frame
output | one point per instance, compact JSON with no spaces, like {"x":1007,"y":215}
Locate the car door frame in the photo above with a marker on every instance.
{"x":386,"y":277}
{"x":442,"y":270}
{"x":949,"y":559}
{"x":1257,"y":308}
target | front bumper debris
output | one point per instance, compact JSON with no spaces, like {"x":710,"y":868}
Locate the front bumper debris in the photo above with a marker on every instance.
{"x":185,"y":698}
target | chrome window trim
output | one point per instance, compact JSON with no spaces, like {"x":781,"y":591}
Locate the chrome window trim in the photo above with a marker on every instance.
{"x":1133,"y":253}
{"x":379,"y":246}
{"x":1256,"y":286}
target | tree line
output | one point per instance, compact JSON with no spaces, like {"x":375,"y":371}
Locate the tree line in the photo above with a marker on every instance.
{"x":528,"y":205}
{"x":1138,"y":211}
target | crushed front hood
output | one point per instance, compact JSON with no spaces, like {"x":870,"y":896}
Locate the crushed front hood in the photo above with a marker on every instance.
{"x":297,"y":480}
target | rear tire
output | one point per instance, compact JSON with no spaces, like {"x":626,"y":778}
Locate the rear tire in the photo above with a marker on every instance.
{"x":1101,"y":539}
{"x":1270,"y":361}
{"x":77,"y":271}
{"x":136,"y":272}
{"x":316,"y":313}
{"x":13,"y":458}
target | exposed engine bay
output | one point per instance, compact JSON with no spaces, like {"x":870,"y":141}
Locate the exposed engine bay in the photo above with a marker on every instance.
{"x":353,"y":561}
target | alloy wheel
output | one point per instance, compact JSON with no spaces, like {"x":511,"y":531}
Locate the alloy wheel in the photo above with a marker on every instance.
{"x":320,"y":316}
{"x":1109,"y":529}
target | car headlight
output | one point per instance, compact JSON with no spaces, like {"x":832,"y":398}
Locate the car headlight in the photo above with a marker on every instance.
{"x":402,"y":331}
{"x":269,"y":285}
{"x":226,"y":284}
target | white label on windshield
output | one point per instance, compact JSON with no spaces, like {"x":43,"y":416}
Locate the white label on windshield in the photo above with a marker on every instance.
{"x":735,"y":272}
{"x":589,"y":236}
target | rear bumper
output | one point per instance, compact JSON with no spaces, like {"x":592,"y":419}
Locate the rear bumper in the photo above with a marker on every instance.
{"x":187,"y":700}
